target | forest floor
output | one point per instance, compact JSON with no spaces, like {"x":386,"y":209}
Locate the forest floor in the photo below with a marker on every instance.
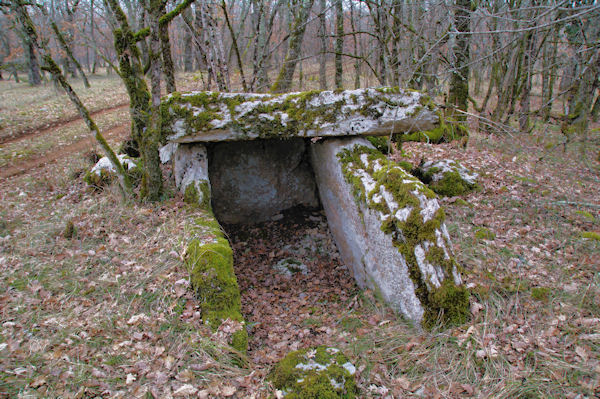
{"x":108,"y":311}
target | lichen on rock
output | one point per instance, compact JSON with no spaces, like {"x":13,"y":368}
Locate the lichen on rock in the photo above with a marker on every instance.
{"x":213,"y":116}
{"x":315,"y":373}
{"x":411,"y":216}
{"x":290,"y":266}
{"x":103,"y":172}
{"x":447,"y":177}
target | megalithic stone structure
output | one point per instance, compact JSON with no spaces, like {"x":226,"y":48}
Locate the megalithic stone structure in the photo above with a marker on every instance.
{"x":389,"y":227}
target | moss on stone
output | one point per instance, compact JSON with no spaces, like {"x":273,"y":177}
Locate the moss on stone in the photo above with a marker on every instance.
{"x":448,"y":302}
{"x":586,"y":215}
{"x":407,"y":166}
{"x":314,"y":374}
{"x":198,"y":194}
{"x":448,"y":130}
{"x":69,"y":231}
{"x":270,"y":116}
{"x":382,"y":143}
{"x":449,"y":184}
{"x":209,"y":261}
{"x":462,"y":202}
{"x":97,"y":181}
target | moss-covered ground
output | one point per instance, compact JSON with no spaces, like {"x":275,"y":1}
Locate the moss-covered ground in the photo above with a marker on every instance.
{"x":315,"y":373}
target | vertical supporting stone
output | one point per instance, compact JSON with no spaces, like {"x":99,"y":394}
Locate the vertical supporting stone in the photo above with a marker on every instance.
{"x":190,"y":166}
{"x":390,"y":231}
{"x":208,"y":255}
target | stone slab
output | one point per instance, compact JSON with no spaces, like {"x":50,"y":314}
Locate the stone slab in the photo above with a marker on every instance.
{"x":366,"y":220}
{"x":214,"y":117}
{"x":255,"y":180}
{"x":190,"y":167}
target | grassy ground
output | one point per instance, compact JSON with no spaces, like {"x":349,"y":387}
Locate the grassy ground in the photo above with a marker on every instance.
{"x":25,"y":108}
{"x":107,"y":312}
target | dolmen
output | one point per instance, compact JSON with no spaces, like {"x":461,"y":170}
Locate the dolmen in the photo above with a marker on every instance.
{"x":246,"y":157}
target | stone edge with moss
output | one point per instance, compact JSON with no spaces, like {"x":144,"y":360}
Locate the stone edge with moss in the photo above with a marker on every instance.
{"x":103,"y":174}
{"x":447,"y":130}
{"x":209,"y":261}
{"x":321,"y":372}
{"x":450,"y":180}
{"x":214,"y":116}
{"x":377,"y":182}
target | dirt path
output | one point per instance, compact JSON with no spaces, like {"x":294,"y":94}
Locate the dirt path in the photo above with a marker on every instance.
{"x":19,"y":168}
{"x":34,"y":132}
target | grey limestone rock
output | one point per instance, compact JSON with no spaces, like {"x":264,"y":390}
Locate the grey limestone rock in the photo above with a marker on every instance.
{"x":390,"y":230}
{"x":214,"y":117}
{"x":252,"y":181}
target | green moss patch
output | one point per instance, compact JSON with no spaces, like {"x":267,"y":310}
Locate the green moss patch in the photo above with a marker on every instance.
{"x":586,"y":215}
{"x":591,"y":235}
{"x":447,"y":178}
{"x":102,"y":174}
{"x":209,"y":261}
{"x":448,"y":130}
{"x":382,"y":143}
{"x":484,"y":233}
{"x":406,"y":226}
{"x":540,"y":293}
{"x":198,"y":194}
{"x":319,"y":373}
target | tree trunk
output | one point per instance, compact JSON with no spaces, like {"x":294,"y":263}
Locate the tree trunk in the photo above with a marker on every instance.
{"x":356,"y":52}
{"x":132,"y":73}
{"x":65,"y":46}
{"x":188,"y":44}
{"x":525,"y":102}
{"x":458,"y":94}
{"x":152,"y":181}
{"x":323,"y":37}
{"x":33,"y":71}
{"x":167,"y":60}
{"x":378,"y":14}
{"x":395,"y":59}
{"x":549,"y":65}
{"x":286,"y":73}
{"x":20,"y":10}
{"x":94,"y":58}
{"x":213,"y":48}
{"x":235,"y":46}
{"x":339,"y":44}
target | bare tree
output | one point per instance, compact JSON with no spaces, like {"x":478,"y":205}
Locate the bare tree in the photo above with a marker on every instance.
{"x":300,"y":10}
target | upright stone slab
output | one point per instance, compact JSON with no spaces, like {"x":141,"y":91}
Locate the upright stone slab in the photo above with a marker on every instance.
{"x":190,"y":166}
{"x":208,"y":255}
{"x":390,"y":230}
{"x":254,"y":180}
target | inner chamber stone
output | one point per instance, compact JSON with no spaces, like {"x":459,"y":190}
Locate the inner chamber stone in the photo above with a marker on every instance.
{"x":252,"y":181}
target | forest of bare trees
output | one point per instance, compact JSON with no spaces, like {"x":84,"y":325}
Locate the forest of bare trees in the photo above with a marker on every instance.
{"x":517,"y":58}
{"x":507,"y":64}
